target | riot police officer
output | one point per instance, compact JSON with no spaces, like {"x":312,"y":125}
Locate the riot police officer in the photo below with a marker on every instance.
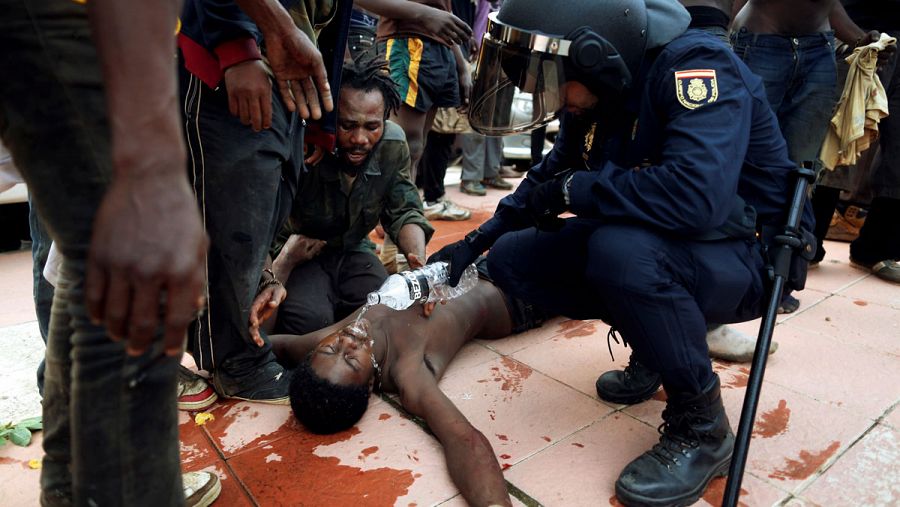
{"x":670,"y":159}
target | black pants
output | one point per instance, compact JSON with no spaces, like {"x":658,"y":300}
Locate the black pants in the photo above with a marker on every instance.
{"x":102,"y":409}
{"x":327,"y":289}
{"x":879,"y":238}
{"x":245,"y":183}
{"x":433,"y":165}
{"x":659,"y":292}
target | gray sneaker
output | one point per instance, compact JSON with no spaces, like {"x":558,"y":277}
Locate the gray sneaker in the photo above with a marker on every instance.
{"x":888,"y":270}
{"x":270,"y":383}
{"x":446,"y":210}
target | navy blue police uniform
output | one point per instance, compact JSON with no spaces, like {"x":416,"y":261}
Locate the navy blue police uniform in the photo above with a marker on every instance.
{"x":655,"y":178}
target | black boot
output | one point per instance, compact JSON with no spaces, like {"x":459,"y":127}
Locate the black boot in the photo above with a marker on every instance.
{"x":694,"y":447}
{"x":632,"y":385}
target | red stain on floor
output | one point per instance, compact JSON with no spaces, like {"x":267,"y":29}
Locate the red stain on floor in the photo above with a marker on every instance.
{"x":738,"y":380}
{"x":512,"y":375}
{"x":195,"y":447}
{"x":492,"y":414}
{"x":576,"y":444}
{"x":715,"y":492}
{"x":505,"y":466}
{"x":805,"y":465}
{"x":384,"y":417}
{"x":774,"y":422}
{"x":279,"y":483}
{"x":860,"y":302}
{"x":569,"y":325}
{"x":502,"y":437}
{"x":548,"y":439}
{"x":505,"y":456}
{"x":660,"y":395}
{"x":368,"y":451}
{"x":12,"y":461}
{"x":615,"y":502}
{"x":586,"y":329}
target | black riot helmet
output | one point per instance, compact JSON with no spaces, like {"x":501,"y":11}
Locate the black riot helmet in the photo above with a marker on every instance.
{"x":532,"y":47}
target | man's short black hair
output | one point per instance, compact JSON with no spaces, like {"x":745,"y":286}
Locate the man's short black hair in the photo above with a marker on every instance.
{"x":323,"y":406}
{"x":369,"y":73}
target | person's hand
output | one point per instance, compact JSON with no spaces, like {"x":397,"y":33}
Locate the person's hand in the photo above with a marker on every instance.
{"x":250,"y":94}
{"x":315,"y":155}
{"x":299,"y":71}
{"x":415,"y":262}
{"x":299,"y":249}
{"x":884,"y":56}
{"x":465,"y":89}
{"x":444,"y":26}
{"x":267,"y":300}
{"x":546,"y":202}
{"x":459,"y":256}
{"x":145,"y":262}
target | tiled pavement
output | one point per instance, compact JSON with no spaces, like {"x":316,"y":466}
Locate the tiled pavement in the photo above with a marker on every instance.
{"x":827,"y":430}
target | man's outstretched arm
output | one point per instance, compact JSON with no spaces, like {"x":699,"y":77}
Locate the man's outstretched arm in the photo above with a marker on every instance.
{"x":470,"y":458}
{"x":147,"y":246}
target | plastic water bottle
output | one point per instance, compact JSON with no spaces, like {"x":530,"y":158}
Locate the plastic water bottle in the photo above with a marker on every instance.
{"x":422,"y":285}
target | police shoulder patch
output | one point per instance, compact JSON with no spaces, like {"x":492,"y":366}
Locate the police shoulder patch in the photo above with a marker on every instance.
{"x":697,"y":87}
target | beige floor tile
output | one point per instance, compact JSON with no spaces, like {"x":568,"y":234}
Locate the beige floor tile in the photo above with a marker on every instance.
{"x":833,"y":275}
{"x":459,"y":501}
{"x":519,"y":410}
{"x":867,"y":474}
{"x":753,"y":492}
{"x":893,"y":418}
{"x":576,"y":358}
{"x":854,"y":322}
{"x":874,"y":290}
{"x":832,"y":370}
{"x":384,"y":460}
{"x":790,"y":444}
{"x":16,"y":287}
{"x":517,"y":342}
{"x":582,"y":468}
{"x":19,"y":482}
{"x":241,"y":426}
{"x":470,"y":355}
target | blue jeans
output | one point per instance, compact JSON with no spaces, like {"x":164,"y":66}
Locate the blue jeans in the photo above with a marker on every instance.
{"x":110,"y":420}
{"x":800,"y":75}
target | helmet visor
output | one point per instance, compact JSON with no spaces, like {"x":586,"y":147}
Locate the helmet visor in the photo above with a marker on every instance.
{"x":517,"y":87}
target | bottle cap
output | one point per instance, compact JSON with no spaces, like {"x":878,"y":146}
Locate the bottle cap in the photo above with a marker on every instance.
{"x":373,"y":299}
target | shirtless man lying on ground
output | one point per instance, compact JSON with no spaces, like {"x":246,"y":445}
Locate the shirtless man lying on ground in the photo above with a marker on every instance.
{"x":402,"y":352}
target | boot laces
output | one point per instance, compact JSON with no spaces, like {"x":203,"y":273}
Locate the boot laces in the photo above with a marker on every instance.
{"x":613,"y":335}
{"x":678,"y":436}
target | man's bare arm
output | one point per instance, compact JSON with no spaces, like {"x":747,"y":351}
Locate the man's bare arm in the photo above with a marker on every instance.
{"x":444,"y":26}
{"x":844,"y":28}
{"x":470,"y":458}
{"x":148,"y":245}
{"x":291,"y":349}
{"x":411,"y":240}
{"x":294,"y":59}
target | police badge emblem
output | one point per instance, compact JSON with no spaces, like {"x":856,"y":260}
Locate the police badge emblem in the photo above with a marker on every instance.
{"x":695,"y":88}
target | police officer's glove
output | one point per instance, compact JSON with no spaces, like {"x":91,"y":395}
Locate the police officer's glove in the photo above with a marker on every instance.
{"x":547,"y":201}
{"x":461,"y":254}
